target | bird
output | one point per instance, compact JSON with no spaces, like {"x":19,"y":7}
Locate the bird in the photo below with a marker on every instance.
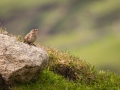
{"x":31,"y":37}
{"x":5,"y":33}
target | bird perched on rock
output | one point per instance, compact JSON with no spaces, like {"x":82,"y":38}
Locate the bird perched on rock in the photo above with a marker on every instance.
{"x":31,"y":37}
{"x":5,"y":33}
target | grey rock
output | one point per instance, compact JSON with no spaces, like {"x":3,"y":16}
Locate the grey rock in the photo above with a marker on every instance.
{"x":20,"y":62}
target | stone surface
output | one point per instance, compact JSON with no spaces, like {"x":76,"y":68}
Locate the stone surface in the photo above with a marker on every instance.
{"x":19,"y":61}
{"x":3,"y":85}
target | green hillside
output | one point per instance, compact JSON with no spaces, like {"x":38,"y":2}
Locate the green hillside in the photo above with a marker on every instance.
{"x":68,"y":72}
{"x":101,"y":51}
{"x":87,"y":28}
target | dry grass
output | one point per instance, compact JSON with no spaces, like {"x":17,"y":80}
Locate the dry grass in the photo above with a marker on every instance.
{"x":69,"y":66}
{"x":4,"y":31}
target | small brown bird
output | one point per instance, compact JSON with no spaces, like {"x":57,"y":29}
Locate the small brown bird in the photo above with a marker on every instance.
{"x":31,"y":37}
{"x":5,"y":33}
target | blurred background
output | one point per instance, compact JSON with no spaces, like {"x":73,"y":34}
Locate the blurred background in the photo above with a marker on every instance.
{"x":89,"y":29}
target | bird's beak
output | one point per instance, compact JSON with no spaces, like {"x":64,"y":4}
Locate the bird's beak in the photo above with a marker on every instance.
{"x":36,"y":30}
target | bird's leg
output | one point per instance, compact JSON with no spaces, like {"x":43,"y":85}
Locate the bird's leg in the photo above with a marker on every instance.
{"x":32,"y":44}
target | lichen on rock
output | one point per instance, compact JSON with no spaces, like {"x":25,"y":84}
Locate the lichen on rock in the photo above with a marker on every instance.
{"x":19,"y":61}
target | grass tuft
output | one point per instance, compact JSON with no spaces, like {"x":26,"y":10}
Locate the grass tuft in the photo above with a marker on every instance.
{"x":17,"y":37}
{"x":69,"y":66}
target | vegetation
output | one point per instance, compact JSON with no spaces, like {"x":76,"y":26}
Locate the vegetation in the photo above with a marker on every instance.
{"x":65,"y":72}
{"x":51,"y":81}
{"x":68,"y":72}
{"x":89,"y":29}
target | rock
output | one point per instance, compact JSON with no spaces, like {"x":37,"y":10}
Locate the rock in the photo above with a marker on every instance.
{"x":3,"y":85}
{"x":20,"y":62}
